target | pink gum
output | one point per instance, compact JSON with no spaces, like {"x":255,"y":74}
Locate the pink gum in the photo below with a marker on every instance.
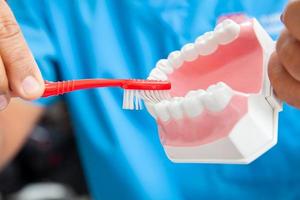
{"x":238,"y":64}
{"x":205,"y":128}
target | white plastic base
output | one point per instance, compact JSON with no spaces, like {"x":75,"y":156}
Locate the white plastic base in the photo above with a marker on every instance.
{"x":253,"y":135}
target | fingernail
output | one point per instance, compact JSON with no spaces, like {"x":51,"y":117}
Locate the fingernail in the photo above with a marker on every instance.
{"x":30,"y":86}
{"x":3,"y":102}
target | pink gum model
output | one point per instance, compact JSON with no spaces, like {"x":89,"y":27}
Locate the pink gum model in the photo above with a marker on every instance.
{"x":222,"y":108}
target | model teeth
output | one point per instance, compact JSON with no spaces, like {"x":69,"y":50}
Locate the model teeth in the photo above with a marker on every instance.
{"x":157,"y":74}
{"x":191,"y":93}
{"x":189,"y":52}
{"x":161,"y":109}
{"x":164,"y":66}
{"x":196,"y":93}
{"x":215,"y":99}
{"x":151,"y":109}
{"x":206,"y":44}
{"x":192,"y":106}
{"x":175,"y":108}
{"x":218,"y":97}
{"x":175,"y":59}
{"x":226,"y":31}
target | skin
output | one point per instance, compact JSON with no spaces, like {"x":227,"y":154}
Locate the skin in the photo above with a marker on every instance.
{"x":284,"y":65}
{"x":17,"y":64}
{"x":14,"y":129}
{"x":19,"y":77}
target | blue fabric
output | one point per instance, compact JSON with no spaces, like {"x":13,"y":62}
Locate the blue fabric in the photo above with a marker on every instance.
{"x":121,"y":153}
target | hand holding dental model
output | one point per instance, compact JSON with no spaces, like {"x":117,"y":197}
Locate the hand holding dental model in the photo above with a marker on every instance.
{"x":284,"y":65}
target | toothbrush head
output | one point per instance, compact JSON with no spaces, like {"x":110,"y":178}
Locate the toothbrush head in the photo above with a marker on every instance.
{"x":140,"y":84}
{"x":152,"y":91}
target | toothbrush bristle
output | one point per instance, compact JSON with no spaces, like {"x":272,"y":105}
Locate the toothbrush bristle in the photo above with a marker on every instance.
{"x":132,"y":99}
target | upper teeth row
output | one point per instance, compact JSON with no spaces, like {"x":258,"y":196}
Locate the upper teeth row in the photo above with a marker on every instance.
{"x":214,"y":99}
{"x":224,"y":33}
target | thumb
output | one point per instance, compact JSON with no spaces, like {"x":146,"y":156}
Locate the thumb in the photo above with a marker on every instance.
{"x":24,"y":77}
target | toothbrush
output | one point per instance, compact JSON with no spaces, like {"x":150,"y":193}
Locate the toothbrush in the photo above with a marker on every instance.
{"x":134,"y":89}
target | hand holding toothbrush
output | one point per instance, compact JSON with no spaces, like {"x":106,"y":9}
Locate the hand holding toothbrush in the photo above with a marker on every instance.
{"x":19,"y":74}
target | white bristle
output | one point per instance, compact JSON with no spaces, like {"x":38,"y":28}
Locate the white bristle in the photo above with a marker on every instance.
{"x":132,"y":99}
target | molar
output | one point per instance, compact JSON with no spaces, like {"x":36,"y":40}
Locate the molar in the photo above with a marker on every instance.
{"x":218,"y":96}
{"x":206,"y":44}
{"x":226,"y":31}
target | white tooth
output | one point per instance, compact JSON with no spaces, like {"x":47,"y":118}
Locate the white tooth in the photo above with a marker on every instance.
{"x":164,"y":66}
{"x":177,"y":98}
{"x":151,"y":110}
{"x":201,"y":92}
{"x":226,"y":31}
{"x":175,"y":59}
{"x":196,"y":93}
{"x":175,"y":108}
{"x":218,"y":26}
{"x":191,"y":93}
{"x":157,"y":74}
{"x":192,"y":106}
{"x":161,"y":109}
{"x":211,"y":87}
{"x":206,"y":44}
{"x":189,"y":52}
{"x":217,"y":97}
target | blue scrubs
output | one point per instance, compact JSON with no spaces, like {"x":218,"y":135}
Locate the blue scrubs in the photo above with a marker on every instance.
{"x":120,"y":150}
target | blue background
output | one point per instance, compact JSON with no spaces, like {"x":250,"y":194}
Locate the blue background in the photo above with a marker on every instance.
{"x":120,"y":150}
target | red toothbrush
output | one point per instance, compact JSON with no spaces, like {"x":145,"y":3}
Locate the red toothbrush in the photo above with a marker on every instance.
{"x":134,"y":89}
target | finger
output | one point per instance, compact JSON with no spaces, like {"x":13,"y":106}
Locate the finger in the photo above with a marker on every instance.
{"x":4,"y":90}
{"x":288,"y":50}
{"x":24,"y":77}
{"x":285,"y":86}
{"x":290,"y":18}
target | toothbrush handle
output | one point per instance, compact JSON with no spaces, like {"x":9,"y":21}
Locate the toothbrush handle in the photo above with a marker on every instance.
{"x":61,"y":87}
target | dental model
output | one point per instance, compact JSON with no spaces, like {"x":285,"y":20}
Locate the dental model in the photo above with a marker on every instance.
{"x":222,"y":108}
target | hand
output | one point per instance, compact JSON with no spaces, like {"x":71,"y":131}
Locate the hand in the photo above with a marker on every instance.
{"x":19,"y":74}
{"x":284,"y":65}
